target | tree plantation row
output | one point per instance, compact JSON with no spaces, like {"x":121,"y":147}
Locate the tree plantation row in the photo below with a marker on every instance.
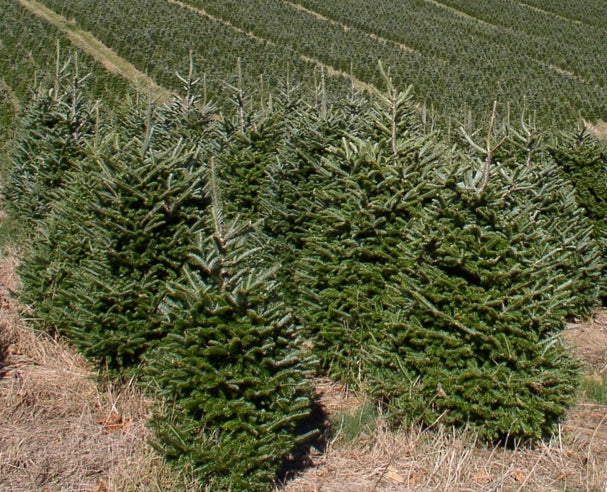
{"x":274,"y":224}
{"x":28,"y":55}
{"x":591,"y":13}
{"x":457,"y":54}
{"x":227,"y":258}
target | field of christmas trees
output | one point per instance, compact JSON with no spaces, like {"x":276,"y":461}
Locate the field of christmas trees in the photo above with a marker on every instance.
{"x":226,"y":251}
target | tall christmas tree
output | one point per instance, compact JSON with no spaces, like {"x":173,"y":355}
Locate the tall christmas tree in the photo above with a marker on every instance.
{"x":121,"y":230}
{"x":582,"y":159}
{"x":234,"y":371}
{"x":472,"y":338}
{"x":367,"y":191}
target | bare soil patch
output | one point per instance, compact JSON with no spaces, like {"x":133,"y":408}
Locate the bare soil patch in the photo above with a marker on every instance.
{"x":599,"y":129}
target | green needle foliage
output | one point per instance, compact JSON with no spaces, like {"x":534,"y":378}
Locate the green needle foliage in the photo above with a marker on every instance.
{"x":438,"y":278}
{"x":121,"y":230}
{"x":428,"y":271}
{"x":572,"y":239}
{"x":294,"y":175}
{"x":233,"y":372}
{"x":582,"y":158}
{"x":53,"y":128}
{"x":472,"y":335}
{"x":474,"y":341}
{"x":134,"y":263}
{"x":367,"y":193}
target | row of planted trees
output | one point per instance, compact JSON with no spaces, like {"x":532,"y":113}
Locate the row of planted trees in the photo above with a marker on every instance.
{"x":225,"y":261}
{"x":453,"y":60}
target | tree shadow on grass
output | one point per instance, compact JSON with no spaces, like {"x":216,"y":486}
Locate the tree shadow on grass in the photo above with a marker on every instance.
{"x":301,"y":458}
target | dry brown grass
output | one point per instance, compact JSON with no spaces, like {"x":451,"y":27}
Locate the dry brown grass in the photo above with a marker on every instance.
{"x":59,"y":429}
{"x":441,"y":459}
{"x":599,"y":129}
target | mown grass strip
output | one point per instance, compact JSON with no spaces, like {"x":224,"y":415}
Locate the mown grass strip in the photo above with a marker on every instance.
{"x":107,"y":57}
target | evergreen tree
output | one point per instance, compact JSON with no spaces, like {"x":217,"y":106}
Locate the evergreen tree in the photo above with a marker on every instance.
{"x":288,"y":202}
{"x":366,"y":194}
{"x":233,"y":372}
{"x":582,"y":159}
{"x":570,"y":235}
{"x":121,"y":230}
{"x":54,"y":126}
{"x":472,"y":338}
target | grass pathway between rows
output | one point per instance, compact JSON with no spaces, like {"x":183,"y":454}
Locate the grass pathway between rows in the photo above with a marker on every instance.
{"x":331,"y":71}
{"x":100,"y":52}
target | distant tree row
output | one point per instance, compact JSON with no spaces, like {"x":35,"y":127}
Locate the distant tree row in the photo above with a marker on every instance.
{"x":589,"y":12}
{"x":491,"y":50}
{"x":457,"y":56}
{"x":28,"y":55}
{"x":166,"y":37}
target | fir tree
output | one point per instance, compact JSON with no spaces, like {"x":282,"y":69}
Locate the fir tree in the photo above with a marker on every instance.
{"x":233,"y":372}
{"x":367,"y":191}
{"x":120,"y":232}
{"x":570,"y":238}
{"x":472,"y":338}
{"x":582,"y":159}
{"x":53,"y":128}
{"x":288,"y":202}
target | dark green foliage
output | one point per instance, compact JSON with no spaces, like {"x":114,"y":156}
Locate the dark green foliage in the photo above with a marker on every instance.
{"x":242,"y":159}
{"x":121,"y":230}
{"x":366,"y":194}
{"x":233,"y":371}
{"x":583,"y":160}
{"x":311,"y":132}
{"x":53,"y":128}
{"x":437,"y":277}
{"x":418,"y":273}
{"x":535,"y":185}
{"x":133,"y":252}
{"x":456,"y":62}
{"x":472,"y":338}
{"x":475,"y":339}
